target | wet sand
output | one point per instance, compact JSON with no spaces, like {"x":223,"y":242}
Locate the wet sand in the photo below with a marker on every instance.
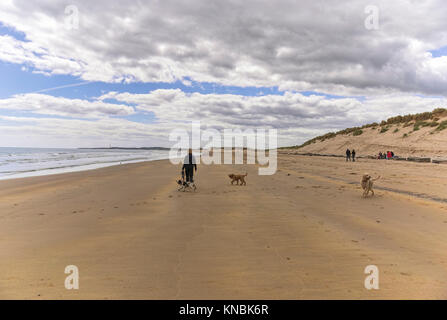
{"x":303,"y":233}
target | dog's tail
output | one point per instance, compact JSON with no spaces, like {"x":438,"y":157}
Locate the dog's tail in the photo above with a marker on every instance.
{"x":376,"y":178}
{"x":246,"y":174}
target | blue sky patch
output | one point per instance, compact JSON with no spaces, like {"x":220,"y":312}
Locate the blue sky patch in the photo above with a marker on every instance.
{"x":441,"y":52}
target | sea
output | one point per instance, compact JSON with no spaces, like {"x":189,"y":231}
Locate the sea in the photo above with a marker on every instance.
{"x":29,"y":162}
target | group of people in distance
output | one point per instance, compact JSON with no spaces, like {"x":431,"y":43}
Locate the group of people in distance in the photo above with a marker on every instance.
{"x":350,"y":155}
{"x":386,"y":155}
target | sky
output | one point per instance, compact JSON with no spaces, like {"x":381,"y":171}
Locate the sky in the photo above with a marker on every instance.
{"x":84,"y":73}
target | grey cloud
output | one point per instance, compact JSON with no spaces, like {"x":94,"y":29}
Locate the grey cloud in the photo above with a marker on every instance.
{"x":305,"y":44}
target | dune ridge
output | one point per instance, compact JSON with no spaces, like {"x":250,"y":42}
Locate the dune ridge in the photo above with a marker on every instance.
{"x":418,"y":135}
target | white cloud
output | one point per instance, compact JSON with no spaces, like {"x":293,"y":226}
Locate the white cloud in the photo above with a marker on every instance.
{"x":297,"y":117}
{"x":50,"y":105}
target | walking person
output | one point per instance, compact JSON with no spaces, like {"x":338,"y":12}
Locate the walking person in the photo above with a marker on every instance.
{"x":189,"y":166}
{"x":353,"y":155}
{"x":348,"y":155}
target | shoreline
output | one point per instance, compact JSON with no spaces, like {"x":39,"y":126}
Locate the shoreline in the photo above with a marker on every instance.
{"x":72,"y":168}
{"x":61,"y":174}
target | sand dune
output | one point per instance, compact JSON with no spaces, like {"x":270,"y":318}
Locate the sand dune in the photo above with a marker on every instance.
{"x":405,"y":139}
{"x":303,"y":233}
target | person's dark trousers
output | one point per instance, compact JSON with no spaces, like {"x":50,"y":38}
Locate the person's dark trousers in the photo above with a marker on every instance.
{"x":348,"y":158}
{"x":189,"y":171}
{"x":353,"y":158}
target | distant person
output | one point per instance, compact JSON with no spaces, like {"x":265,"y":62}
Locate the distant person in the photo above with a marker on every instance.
{"x":189,"y":165}
{"x":353,"y":155}
{"x":380,"y":155}
{"x":388,"y":155}
{"x":348,"y":155}
{"x":392,"y":155}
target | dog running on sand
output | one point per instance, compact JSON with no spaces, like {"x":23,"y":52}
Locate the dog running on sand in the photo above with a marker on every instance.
{"x":237,"y":178}
{"x":367,"y":184}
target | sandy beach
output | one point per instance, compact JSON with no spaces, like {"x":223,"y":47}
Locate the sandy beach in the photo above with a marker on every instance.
{"x":303,"y":233}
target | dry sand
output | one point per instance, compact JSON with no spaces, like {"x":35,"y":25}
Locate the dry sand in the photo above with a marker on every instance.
{"x":304,"y":233}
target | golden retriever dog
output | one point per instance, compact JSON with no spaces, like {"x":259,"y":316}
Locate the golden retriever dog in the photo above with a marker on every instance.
{"x":367,"y":184}
{"x":237,"y":178}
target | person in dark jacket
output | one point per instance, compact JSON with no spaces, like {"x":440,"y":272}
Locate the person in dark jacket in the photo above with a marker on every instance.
{"x":189,"y":166}
{"x":353,"y":155}
{"x":348,"y":155}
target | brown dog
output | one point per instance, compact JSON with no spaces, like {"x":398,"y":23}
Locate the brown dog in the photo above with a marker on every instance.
{"x":367,"y":184}
{"x":237,"y":178}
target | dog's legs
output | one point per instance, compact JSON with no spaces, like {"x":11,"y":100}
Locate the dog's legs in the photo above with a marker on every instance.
{"x":372,"y":192}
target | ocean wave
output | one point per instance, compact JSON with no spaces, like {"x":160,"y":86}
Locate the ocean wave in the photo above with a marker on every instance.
{"x":31,"y":163}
